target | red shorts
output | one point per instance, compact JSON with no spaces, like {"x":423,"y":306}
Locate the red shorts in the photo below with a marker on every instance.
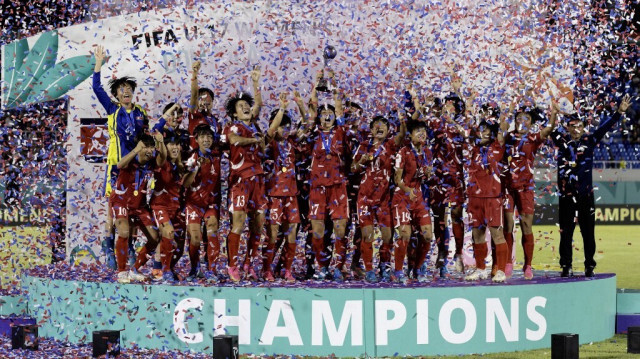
{"x":283,"y":210}
{"x":521,"y":200}
{"x":196,"y":214}
{"x":137,"y":215}
{"x":451,"y":192}
{"x":368,"y":210}
{"x":485,"y":212}
{"x":408,"y":212}
{"x":171,"y":215}
{"x":332,"y":198}
{"x":248,"y":195}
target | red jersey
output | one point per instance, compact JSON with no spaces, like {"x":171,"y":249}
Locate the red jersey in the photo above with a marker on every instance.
{"x":447,"y":146}
{"x":485,"y":166}
{"x":205,"y":189}
{"x":327,"y":157}
{"x":414,"y":166}
{"x":131,"y":186}
{"x":376,"y":176}
{"x":166,"y":190}
{"x":521,"y":152}
{"x":282,"y":181}
{"x":244,"y":161}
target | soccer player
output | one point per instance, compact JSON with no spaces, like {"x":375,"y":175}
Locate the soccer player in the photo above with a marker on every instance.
{"x":202,"y":185}
{"x":485,"y":152}
{"x":200,"y":105}
{"x":328,"y":191}
{"x":521,"y":147}
{"x":282,"y":191}
{"x":125,"y":122}
{"x":128,"y":202}
{"x":374,"y":160}
{"x":575,"y":183}
{"x":169,"y":125}
{"x":412,"y":169}
{"x":246,"y":178}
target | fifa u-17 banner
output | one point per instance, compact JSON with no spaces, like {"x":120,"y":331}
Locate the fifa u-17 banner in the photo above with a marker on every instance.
{"x":381,"y":48}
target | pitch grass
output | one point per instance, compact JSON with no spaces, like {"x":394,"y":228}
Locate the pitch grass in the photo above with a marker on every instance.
{"x":617,"y":251}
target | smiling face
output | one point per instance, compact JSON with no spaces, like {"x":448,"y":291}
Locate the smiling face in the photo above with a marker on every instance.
{"x":243,"y":111}
{"x":379,"y":130}
{"x":523,"y":123}
{"x":418,"y":136}
{"x":173,"y":151}
{"x":146,"y":154}
{"x":124,"y":94}
{"x":484,"y":134}
{"x":327,"y":119}
{"x":174,"y":118}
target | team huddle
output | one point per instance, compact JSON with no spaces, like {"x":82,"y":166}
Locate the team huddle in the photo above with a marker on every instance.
{"x":333,"y":174}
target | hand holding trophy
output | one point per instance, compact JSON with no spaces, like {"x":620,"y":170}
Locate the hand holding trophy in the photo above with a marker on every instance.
{"x":328,"y":54}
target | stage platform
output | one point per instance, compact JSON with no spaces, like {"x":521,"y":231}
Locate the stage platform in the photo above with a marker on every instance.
{"x":443,"y":317}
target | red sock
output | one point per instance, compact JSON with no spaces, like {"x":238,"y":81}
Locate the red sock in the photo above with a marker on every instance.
{"x":400,"y":253}
{"x":501,"y":255}
{"x":252,"y":248}
{"x":166,"y":253}
{"x":291,"y":254}
{"x":528,"y":245}
{"x":458,"y":234}
{"x":122,"y":252}
{"x":424,"y":246}
{"x":318,"y":248}
{"x":480,"y":254}
{"x":385,"y":252}
{"x":143,"y":256}
{"x":508,"y":237}
{"x":194,"y":255}
{"x":340,"y":250}
{"x":233,"y":244}
{"x":366,"y":248}
{"x":178,"y":252}
{"x":268,"y":252}
{"x":213,"y":251}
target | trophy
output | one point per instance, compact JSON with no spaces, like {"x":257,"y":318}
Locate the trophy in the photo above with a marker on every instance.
{"x":328,"y":54}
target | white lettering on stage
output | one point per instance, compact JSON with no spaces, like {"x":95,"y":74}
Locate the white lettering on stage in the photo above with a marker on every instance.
{"x":537,"y":318}
{"x":322,"y":317}
{"x":290,"y":328}
{"x":384,"y":323}
{"x":243,"y":320}
{"x":495,"y":310}
{"x":470,"y":322}
{"x":180,"y":325}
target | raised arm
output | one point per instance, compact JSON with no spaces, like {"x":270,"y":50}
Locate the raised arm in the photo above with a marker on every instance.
{"x":257,"y":96}
{"x":284,"y":102}
{"x":313,"y":100}
{"x":337,"y":95}
{"x":124,"y":161}
{"x":608,"y":124}
{"x":402,"y":131}
{"x":101,"y":94}
{"x":302,"y":109}
{"x":553,"y":120}
{"x":162,"y":121}
{"x":193,"y":101}
{"x":161,"y":158}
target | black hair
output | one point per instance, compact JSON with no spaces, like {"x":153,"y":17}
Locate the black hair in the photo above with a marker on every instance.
{"x":491,"y":110}
{"x":379,"y":118}
{"x":493,"y":126}
{"x":169,"y":105}
{"x":203,"y":90}
{"x":352,"y":104}
{"x":202,"y":130}
{"x":286,"y":120}
{"x":458,"y":103}
{"x":413,"y":125}
{"x":147,"y":140}
{"x":575,"y":117}
{"x":114,"y":84}
{"x":230,"y":106}
{"x":172,"y":138}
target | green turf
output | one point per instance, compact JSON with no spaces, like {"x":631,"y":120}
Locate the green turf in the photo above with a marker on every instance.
{"x":617,"y":251}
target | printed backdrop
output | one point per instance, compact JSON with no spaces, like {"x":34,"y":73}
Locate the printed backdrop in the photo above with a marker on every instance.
{"x":381,"y":47}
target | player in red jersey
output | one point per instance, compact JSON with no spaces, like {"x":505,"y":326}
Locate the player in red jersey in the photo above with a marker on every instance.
{"x":485,"y":150}
{"x":521,"y":147}
{"x":200,"y":105}
{"x":413,"y":167}
{"x":246,"y":178}
{"x":166,"y":203}
{"x":202,"y":185}
{"x":282,"y":192}
{"x":128,"y":201}
{"x":374,"y":161}
{"x":328,"y":191}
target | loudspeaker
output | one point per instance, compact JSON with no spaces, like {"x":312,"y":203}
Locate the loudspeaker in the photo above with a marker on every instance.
{"x":106,"y":342}
{"x":564,"y":346}
{"x":633,"y":340}
{"x":225,"y":347}
{"x":24,"y":336}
